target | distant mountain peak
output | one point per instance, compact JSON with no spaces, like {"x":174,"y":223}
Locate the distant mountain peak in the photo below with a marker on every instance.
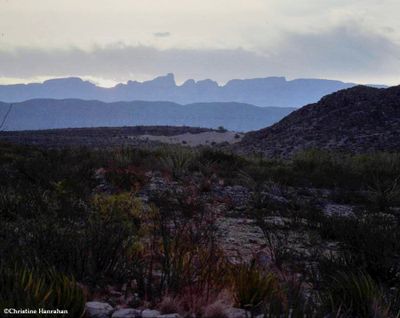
{"x":268,"y":91}
{"x":269,"y":80}
{"x":189,"y":83}
{"x":64,"y":79}
{"x":207,"y":83}
{"x":167,"y":80}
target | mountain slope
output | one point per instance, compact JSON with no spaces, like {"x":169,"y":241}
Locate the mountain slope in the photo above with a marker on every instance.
{"x":359,"y":119}
{"x":72,"y":113}
{"x":270,"y":91}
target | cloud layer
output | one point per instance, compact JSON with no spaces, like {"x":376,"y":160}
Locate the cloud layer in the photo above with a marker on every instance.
{"x":353,"y":40}
{"x":346,"y":53}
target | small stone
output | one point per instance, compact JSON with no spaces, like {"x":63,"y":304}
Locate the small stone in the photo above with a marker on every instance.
{"x":149,"y":313}
{"x":126,"y":313}
{"x":97,"y":309}
{"x":237,"y":313}
{"x":170,"y":316}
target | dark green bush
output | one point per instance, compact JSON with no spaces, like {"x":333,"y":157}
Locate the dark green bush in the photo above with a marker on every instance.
{"x":254,"y":288}
{"x":370,"y":243}
{"x":21,"y":287}
{"x":90,"y":240}
{"x":355,"y":295}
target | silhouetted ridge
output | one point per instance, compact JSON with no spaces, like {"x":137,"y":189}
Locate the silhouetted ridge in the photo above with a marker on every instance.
{"x":268,"y":91}
{"x":74,"y":113}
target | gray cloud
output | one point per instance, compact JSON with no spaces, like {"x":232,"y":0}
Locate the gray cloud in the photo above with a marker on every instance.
{"x":346,"y":52}
{"x":343,"y":51}
{"x":162,"y":34}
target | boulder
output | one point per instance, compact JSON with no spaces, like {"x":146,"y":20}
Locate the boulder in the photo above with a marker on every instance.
{"x":97,"y":309}
{"x":237,"y":313}
{"x":149,"y":313}
{"x":126,"y":313}
{"x":170,"y":316}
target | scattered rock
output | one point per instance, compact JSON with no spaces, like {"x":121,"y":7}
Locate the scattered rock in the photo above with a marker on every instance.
{"x":96,"y":309}
{"x":149,"y":313}
{"x":237,"y":313}
{"x":238,"y":195}
{"x":338,"y":210}
{"x":170,"y":316}
{"x":240,"y":238}
{"x":126,"y":313}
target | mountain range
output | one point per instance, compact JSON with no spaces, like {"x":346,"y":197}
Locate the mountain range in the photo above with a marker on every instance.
{"x":360,"y":119}
{"x":269,"y":91}
{"x":73,"y":113}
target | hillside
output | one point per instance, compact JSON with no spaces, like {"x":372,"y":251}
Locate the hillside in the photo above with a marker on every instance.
{"x":359,"y":119}
{"x":72,"y":113}
{"x":269,"y":91}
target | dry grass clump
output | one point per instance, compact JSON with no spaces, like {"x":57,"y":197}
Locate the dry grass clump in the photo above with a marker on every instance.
{"x":169,"y":305}
{"x":216,"y":310}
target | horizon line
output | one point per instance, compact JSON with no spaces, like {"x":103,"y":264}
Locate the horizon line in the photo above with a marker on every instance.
{"x":112,"y":84}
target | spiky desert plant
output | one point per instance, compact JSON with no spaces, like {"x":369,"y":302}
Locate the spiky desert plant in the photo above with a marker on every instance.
{"x":216,"y":310}
{"x":252,"y":287}
{"x":169,"y":305}
{"x":177,"y":161}
{"x":354,"y":295}
{"x":21,"y":287}
{"x":383,"y":194}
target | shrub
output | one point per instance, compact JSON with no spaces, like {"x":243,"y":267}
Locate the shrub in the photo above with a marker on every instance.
{"x":253,"y":288}
{"x":227,"y":164}
{"x":369,"y":242}
{"x":169,"y":305}
{"x":90,"y":240}
{"x":322,"y":168}
{"x":130,"y":178}
{"x":21,"y":287}
{"x":176,"y":161}
{"x":112,"y":233}
{"x":181,"y":247}
{"x":215,"y":310}
{"x":383,"y":194}
{"x":354,"y":295}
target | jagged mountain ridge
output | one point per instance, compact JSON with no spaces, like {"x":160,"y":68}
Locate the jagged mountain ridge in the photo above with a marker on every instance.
{"x":358,"y":119}
{"x":269,"y":91}
{"x":72,"y":113}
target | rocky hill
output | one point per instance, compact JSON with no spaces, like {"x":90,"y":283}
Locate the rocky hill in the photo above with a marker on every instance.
{"x":358,"y":119}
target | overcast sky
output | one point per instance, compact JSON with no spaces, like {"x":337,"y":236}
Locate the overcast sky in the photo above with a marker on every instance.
{"x":117,"y":40}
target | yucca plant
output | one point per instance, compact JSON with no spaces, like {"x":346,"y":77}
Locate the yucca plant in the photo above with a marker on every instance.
{"x":253,"y":288}
{"x":354,"y":295}
{"x":291,"y":302}
{"x":384,"y":194}
{"x":21,"y":287}
{"x":177,"y":161}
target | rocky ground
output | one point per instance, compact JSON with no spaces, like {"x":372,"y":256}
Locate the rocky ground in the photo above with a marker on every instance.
{"x":197,"y":139}
{"x":239,"y":236}
{"x":292,"y":220}
{"x":96,"y":309}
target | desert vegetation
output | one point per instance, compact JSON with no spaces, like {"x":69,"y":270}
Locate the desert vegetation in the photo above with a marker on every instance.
{"x":144,"y":228}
